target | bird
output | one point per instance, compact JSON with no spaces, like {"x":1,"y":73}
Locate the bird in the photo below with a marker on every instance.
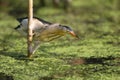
{"x":43,"y":31}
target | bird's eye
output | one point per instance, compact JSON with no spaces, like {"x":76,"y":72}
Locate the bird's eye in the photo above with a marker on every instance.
{"x":60,"y":25}
{"x":46,"y":26}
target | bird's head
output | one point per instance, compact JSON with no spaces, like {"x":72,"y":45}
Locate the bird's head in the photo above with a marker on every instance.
{"x":70,"y":31}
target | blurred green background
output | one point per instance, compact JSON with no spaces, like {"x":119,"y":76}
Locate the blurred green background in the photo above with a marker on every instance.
{"x":83,"y":14}
{"x":95,"y":56}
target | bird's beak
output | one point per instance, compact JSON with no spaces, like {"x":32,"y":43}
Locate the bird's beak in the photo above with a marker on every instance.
{"x":73,"y":34}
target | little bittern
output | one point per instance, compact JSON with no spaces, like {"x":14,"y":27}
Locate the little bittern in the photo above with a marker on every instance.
{"x":43,"y":31}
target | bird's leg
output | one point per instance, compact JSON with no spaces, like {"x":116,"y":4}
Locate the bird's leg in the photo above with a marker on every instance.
{"x":35,"y":47}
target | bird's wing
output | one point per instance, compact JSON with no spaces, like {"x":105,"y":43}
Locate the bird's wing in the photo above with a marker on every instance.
{"x":20,"y":19}
{"x":43,"y":21}
{"x":39,"y":26}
